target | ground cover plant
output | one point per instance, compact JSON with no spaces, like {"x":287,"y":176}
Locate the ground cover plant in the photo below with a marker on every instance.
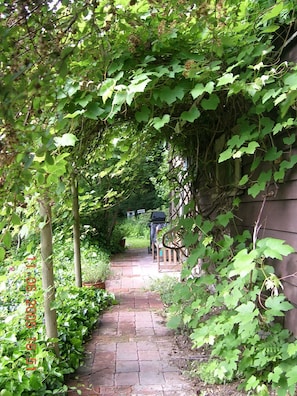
{"x":29,"y":365}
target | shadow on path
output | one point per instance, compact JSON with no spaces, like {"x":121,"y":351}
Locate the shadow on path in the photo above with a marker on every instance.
{"x":131,"y":351}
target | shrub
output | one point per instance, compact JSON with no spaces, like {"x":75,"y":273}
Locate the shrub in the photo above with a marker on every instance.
{"x":136,"y":226}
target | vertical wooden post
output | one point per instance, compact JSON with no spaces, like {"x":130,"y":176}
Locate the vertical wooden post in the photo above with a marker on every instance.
{"x":50,"y":315}
{"x":76,"y":230}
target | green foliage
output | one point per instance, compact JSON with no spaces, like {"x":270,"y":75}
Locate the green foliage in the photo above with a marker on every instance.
{"x":84,"y":305}
{"x":129,"y":179}
{"x":164,"y":286}
{"x":116,"y":243}
{"x":136,"y":226}
{"x":95,"y":264}
{"x":212,"y":372}
{"x":137,"y":243}
{"x":28,"y":363}
{"x":216,"y":91}
{"x":232,"y":305}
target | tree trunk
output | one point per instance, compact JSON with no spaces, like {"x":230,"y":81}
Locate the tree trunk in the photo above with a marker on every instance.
{"x":76,"y":231}
{"x":50,"y":315}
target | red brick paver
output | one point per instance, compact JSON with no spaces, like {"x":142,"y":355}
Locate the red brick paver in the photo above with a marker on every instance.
{"x":131,"y":350}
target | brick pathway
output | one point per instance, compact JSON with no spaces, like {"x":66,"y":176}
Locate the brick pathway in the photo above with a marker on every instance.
{"x":131,"y":352}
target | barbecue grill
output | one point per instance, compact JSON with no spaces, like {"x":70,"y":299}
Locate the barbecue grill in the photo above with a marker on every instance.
{"x":157,"y":222}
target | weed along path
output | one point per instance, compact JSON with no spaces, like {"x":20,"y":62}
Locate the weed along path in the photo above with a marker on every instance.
{"x":131,"y":351}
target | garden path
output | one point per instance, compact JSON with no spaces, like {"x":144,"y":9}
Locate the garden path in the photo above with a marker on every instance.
{"x":131,"y":352}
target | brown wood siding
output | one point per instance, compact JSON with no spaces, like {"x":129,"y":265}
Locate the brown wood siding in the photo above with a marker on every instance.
{"x":278,"y":220}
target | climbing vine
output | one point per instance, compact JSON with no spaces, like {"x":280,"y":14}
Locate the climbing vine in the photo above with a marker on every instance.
{"x":232,"y":305}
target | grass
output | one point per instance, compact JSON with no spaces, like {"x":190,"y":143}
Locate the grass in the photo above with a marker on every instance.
{"x":137,"y":243}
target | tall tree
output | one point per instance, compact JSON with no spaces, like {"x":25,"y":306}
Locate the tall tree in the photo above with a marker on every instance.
{"x":50,"y":316}
{"x":76,"y":229}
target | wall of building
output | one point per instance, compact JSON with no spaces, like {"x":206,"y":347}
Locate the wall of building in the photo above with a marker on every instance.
{"x":278,"y":220}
